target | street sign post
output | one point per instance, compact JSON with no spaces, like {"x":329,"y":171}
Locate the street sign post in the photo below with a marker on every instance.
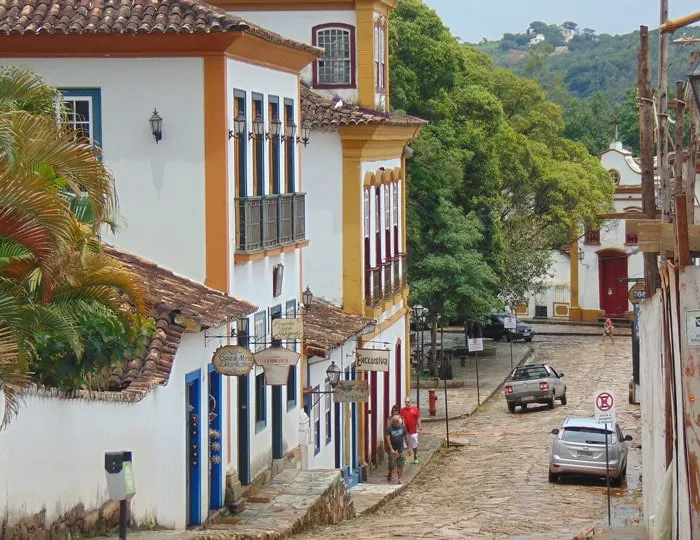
{"x":475,"y":345}
{"x":510,"y":323}
{"x":604,"y":406}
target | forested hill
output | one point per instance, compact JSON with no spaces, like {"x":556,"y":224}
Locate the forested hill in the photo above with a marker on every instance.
{"x":585,"y":62}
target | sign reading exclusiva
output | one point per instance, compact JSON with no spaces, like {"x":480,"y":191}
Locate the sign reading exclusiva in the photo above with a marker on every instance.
{"x":372,"y":360}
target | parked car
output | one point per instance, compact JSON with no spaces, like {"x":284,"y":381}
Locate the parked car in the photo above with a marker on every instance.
{"x":579,"y":449}
{"x":536,"y":383}
{"x":495,"y":329}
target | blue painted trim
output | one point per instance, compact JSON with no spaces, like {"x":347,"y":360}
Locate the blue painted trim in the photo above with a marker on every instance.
{"x":96,"y":95}
{"x":244,"y":429}
{"x":193,"y":389}
{"x":216,"y":472}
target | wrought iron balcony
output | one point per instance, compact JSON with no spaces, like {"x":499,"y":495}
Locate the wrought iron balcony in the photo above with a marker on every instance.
{"x":386,"y":271}
{"x":270,"y":221}
{"x":373,"y":286}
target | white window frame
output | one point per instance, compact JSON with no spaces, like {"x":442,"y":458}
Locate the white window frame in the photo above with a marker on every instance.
{"x":326,"y":76}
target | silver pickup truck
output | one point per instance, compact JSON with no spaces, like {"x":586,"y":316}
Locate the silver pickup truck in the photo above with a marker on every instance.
{"x":537,"y":383}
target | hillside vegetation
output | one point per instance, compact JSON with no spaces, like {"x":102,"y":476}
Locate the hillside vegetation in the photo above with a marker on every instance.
{"x":587,"y":62}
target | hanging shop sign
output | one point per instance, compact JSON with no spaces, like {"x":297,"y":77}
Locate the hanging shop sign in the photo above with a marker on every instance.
{"x":351,"y":391}
{"x":372,"y":360}
{"x":637,"y":292}
{"x":233,"y":360}
{"x":276,"y":362}
{"x":287,"y":329}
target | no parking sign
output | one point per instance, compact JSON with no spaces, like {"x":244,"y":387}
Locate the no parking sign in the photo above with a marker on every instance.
{"x":605,"y":408}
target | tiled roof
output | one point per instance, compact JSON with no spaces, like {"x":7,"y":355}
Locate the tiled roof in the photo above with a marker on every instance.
{"x":138,"y":376}
{"x":323,"y":113}
{"x":193,"y":300}
{"x":26,"y":17}
{"x":327,"y":327}
{"x":170,"y":294}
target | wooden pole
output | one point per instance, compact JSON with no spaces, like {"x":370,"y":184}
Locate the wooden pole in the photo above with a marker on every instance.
{"x":678,"y":148}
{"x":646,"y":143}
{"x":692,"y":152}
{"x":662,"y":160}
{"x":681,"y":222}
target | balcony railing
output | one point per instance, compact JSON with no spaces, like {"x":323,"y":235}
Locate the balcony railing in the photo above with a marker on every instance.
{"x":386,"y":272}
{"x":270,"y":221}
{"x":384,"y":281}
{"x":592,"y":236}
{"x":373,"y":286}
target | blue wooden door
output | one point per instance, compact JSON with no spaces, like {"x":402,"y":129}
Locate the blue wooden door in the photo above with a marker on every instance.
{"x":243,"y":430}
{"x":216,"y":491}
{"x":193,"y":382}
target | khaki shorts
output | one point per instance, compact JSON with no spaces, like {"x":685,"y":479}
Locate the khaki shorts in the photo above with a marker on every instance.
{"x":397,"y":461}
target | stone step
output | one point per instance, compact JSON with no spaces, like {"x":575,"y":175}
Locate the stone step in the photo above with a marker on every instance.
{"x":293,"y":501}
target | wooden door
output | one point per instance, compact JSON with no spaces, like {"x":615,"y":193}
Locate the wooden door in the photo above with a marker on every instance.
{"x":613,"y":284}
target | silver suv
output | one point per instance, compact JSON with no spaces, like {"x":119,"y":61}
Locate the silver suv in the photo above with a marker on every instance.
{"x":579,"y":448}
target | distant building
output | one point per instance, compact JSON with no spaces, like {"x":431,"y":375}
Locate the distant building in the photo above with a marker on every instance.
{"x":539,"y":38}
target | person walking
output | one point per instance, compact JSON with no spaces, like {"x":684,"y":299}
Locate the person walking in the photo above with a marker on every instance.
{"x":608,"y":330}
{"x":394,"y":410}
{"x":396,"y":440}
{"x":411,"y":419}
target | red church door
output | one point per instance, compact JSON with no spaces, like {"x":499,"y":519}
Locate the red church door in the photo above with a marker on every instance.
{"x":612,"y":273}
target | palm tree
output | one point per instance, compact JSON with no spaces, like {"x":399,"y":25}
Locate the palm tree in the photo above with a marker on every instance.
{"x":55,"y":195}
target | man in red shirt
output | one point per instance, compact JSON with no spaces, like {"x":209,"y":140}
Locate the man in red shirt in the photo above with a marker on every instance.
{"x":411,"y":419}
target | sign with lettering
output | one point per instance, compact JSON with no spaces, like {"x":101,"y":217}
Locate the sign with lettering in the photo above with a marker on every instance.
{"x":605,"y":408}
{"x":475,"y":344}
{"x":351,"y":391}
{"x":276,"y":356}
{"x":510,"y":322}
{"x":692,"y":327}
{"x":233,"y":360}
{"x":287,"y":329}
{"x":637,"y":292}
{"x":275,"y":362}
{"x":372,"y":360}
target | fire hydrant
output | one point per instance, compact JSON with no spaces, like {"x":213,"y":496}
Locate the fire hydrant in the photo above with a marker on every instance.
{"x":432,"y":402}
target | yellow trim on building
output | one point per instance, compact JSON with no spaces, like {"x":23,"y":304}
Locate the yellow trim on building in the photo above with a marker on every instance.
{"x":575,"y":310}
{"x":353,"y":268}
{"x":217,"y":250}
{"x":366,"y":90}
{"x":383,"y":326}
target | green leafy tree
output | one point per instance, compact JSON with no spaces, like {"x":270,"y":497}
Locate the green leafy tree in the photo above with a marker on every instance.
{"x":493,"y":164}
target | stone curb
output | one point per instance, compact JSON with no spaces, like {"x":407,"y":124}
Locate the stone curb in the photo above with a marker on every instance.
{"x":376,"y":506}
{"x":433,"y":419}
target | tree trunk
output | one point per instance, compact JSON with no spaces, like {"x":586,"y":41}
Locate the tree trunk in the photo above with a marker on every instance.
{"x":432,"y":362}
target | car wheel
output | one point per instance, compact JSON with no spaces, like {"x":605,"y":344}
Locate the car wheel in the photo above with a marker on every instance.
{"x":563,"y":398}
{"x":507,"y":337}
{"x":616,"y":482}
{"x":553,"y":477}
{"x":623,"y":474}
{"x":511,"y":407}
{"x":523,"y":406}
{"x":528,"y":339}
{"x":550,"y":401}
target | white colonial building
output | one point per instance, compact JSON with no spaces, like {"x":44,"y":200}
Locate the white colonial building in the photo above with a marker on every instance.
{"x":354,"y":176}
{"x":197,"y":114}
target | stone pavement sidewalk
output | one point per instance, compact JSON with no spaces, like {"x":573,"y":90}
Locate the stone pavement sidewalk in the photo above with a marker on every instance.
{"x":463,"y":401}
{"x":369,"y":496}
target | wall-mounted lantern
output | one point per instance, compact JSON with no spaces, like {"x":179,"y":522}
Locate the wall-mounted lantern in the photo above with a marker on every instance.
{"x":290,"y":131}
{"x":258,"y":128}
{"x":275,"y":129}
{"x":305,"y":133}
{"x":156,"y":125}
{"x":238,"y":127}
{"x":580,"y":254}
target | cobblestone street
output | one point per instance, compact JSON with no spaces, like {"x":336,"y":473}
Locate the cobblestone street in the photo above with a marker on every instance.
{"x":495,"y":486}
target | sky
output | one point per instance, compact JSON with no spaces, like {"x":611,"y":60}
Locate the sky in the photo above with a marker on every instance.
{"x":472,"y":20}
